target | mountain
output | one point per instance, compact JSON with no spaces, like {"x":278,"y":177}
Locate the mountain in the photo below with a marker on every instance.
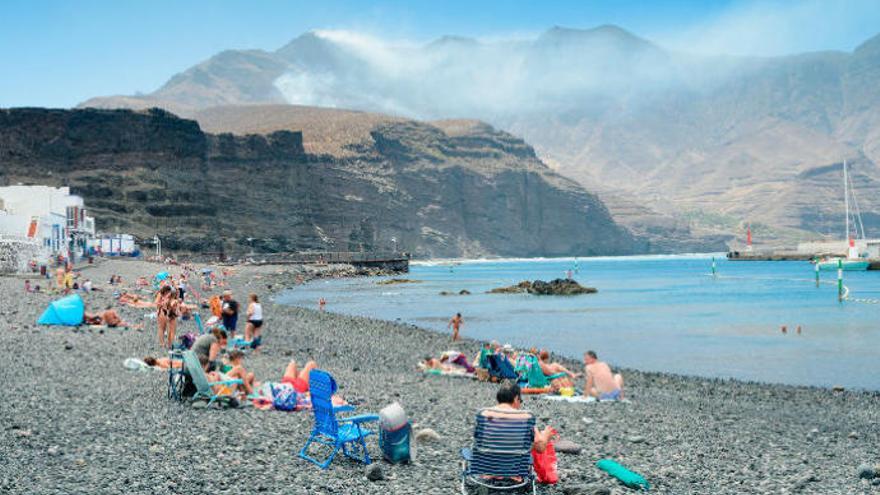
{"x":444,"y":189}
{"x":676,"y":143}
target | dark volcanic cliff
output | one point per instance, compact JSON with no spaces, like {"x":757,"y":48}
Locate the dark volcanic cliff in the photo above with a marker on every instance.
{"x":468,"y":191}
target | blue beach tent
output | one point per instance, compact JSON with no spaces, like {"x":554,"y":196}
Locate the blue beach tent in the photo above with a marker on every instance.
{"x":65,"y":311}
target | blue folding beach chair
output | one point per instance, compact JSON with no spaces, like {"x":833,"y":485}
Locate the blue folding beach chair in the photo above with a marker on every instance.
{"x":500,"y":368}
{"x":204,"y":388}
{"x":344,"y":434}
{"x":501,"y":456}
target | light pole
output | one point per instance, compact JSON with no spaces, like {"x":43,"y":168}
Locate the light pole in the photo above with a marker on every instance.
{"x":158,"y":243}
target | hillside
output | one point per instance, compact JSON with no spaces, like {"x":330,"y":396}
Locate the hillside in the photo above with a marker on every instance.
{"x":675,"y":143}
{"x":472,"y":192}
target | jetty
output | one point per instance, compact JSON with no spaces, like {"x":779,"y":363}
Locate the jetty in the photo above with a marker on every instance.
{"x":391,"y":261}
{"x":769,"y":256}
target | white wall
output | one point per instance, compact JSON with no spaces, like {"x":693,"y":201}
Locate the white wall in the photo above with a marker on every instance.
{"x":38,"y":200}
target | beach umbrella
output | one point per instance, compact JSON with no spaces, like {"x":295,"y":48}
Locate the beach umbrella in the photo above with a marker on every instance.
{"x":65,"y":311}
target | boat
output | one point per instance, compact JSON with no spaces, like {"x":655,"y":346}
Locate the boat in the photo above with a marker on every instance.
{"x":847,"y":264}
{"x":853,"y":262}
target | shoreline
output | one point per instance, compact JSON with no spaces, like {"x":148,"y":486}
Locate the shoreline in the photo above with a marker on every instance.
{"x":80,"y":422}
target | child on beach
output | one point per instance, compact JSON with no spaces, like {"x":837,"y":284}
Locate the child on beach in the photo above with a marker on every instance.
{"x":253,"y":328}
{"x":236,"y":360}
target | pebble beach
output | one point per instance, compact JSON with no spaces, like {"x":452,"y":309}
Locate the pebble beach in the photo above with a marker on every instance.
{"x":76,"y":421}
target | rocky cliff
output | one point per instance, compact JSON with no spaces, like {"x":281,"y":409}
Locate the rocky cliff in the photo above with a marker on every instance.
{"x":443,"y":190}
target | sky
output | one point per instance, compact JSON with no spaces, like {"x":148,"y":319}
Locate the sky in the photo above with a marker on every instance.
{"x":57,"y":53}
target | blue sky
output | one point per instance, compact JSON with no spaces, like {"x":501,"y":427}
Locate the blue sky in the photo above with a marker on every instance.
{"x":57,"y":53}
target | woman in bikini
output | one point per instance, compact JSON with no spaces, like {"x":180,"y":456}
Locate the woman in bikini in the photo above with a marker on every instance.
{"x":167,"y":311}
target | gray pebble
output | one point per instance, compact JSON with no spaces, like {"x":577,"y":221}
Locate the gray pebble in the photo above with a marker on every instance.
{"x":866,"y":471}
{"x":374,"y":472}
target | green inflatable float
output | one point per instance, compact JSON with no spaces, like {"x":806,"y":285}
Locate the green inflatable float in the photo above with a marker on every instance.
{"x":624,"y":475}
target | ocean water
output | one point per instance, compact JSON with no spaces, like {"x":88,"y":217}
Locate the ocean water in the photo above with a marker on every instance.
{"x":657,"y":313}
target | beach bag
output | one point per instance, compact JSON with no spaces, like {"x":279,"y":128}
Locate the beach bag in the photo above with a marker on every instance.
{"x":546,"y":465}
{"x":394,"y":434}
{"x":395,"y":444}
{"x":284,"y":398}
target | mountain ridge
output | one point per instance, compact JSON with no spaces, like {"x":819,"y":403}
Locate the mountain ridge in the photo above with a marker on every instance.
{"x":618,"y":113}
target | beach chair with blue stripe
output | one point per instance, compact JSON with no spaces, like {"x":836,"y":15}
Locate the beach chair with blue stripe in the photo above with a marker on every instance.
{"x":345,"y":434}
{"x":500,"y":368}
{"x":501,"y":455}
{"x":204,"y":388}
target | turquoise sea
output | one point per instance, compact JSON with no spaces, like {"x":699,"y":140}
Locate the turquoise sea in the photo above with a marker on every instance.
{"x":657,"y":313}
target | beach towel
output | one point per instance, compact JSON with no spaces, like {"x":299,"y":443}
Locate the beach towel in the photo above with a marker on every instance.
{"x":580,"y":399}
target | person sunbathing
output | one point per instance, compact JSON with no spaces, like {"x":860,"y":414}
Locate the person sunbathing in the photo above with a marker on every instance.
{"x":134,"y":300}
{"x":112,"y":319}
{"x":549,"y":369}
{"x":449,"y":361}
{"x":92,"y":318}
{"x":298,"y":378}
{"x":162,"y":362}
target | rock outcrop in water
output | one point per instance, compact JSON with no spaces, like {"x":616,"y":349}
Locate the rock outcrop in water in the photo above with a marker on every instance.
{"x":557,"y":287}
{"x":455,"y":191}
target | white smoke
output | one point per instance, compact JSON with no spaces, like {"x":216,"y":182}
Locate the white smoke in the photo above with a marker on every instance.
{"x":599,"y":72}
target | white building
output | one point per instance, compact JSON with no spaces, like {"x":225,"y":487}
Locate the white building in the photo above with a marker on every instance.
{"x":48,"y":216}
{"x":114,"y":244}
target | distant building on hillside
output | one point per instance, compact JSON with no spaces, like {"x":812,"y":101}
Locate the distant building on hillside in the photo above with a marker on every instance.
{"x":50,"y":218}
{"x":114,"y":245}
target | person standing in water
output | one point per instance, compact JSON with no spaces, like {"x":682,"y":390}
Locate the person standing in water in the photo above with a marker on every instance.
{"x":456,"y":322}
{"x":321,"y":303}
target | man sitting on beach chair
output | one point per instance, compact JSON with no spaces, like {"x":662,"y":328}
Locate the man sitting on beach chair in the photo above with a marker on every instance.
{"x":504,"y":438}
